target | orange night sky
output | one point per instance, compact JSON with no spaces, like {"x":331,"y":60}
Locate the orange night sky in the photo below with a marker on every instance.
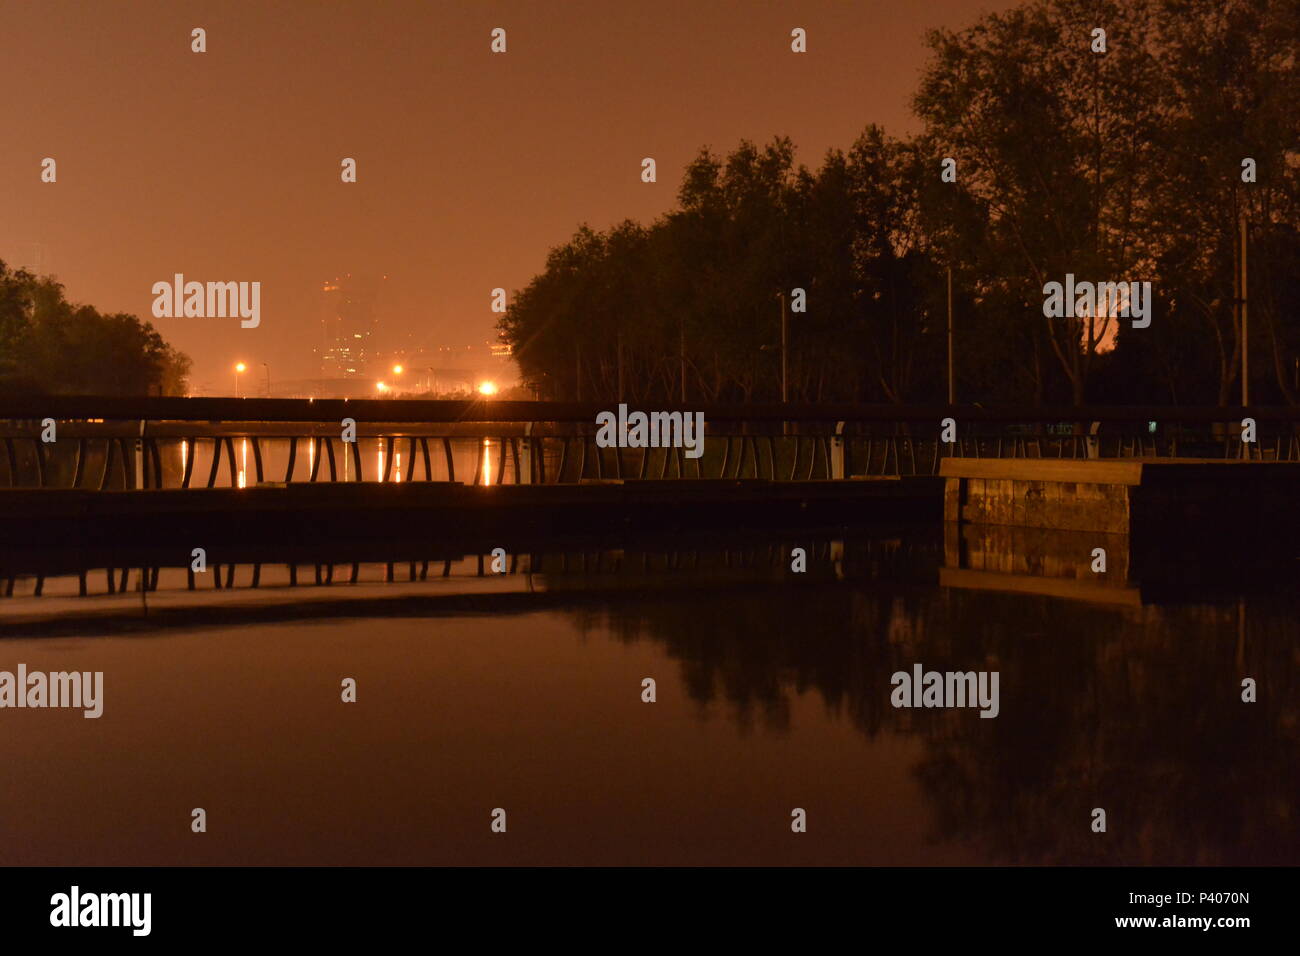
{"x":224,"y":166}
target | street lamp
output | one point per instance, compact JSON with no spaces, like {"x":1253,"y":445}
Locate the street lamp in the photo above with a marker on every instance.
{"x":239,"y":367}
{"x":781,"y":296}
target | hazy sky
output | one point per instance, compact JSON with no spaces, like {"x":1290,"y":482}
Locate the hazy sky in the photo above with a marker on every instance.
{"x":471,"y":165}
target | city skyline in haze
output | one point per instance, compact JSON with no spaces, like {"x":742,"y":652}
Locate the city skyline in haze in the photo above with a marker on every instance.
{"x":225,"y":165}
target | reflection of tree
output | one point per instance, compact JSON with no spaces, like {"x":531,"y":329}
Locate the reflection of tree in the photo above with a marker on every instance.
{"x":753,"y":650}
{"x":1136,"y":710}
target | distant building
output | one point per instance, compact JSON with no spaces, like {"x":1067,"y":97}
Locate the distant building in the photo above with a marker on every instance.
{"x":349,"y":323}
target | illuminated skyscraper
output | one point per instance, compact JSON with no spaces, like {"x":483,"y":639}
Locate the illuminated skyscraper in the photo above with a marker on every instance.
{"x":348,"y":324}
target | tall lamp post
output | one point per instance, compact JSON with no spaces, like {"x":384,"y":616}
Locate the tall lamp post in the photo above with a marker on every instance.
{"x":784,"y":380}
{"x":267,"y":369}
{"x":1245,"y":337}
{"x":239,"y":367}
{"x":952,"y":384}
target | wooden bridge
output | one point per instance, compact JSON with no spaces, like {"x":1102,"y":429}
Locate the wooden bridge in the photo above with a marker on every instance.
{"x":153,"y":443}
{"x":132,"y":482}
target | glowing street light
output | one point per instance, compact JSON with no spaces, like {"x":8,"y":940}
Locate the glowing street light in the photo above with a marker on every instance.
{"x":398,"y":370}
{"x":239,"y":367}
{"x":487,"y":388}
{"x":380,"y":387}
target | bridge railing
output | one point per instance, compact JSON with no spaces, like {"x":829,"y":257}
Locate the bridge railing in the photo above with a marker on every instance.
{"x":110,"y":443}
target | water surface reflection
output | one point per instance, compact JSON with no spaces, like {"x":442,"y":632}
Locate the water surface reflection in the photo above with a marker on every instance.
{"x":523,"y":691}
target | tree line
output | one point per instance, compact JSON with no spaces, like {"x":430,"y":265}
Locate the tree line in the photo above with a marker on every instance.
{"x":1137,"y":163}
{"x":52,"y":346}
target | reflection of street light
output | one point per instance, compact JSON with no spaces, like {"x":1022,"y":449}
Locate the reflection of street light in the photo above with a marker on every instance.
{"x":239,"y":367}
{"x":487,"y":388}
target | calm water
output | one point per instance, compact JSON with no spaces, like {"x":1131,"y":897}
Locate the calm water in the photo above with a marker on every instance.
{"x":523,"y":692}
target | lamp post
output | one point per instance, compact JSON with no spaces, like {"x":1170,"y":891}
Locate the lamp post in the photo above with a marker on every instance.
{"x":784,"y":390}
{"x":239,"y":367}
{"x":1245,"y":337}
{"x":267,"y":368}
{"x":952,"y":385}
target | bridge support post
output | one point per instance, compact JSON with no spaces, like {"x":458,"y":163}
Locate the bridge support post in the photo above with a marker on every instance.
{"x":526,"y":455}
{"x":837,"y":558}
{"x":139,"y":458}
{"x":837,"y":452}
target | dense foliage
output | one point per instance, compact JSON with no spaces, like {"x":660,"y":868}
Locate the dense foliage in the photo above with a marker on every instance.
{"x":48,"y":344}
{"x":1115,"y":166}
